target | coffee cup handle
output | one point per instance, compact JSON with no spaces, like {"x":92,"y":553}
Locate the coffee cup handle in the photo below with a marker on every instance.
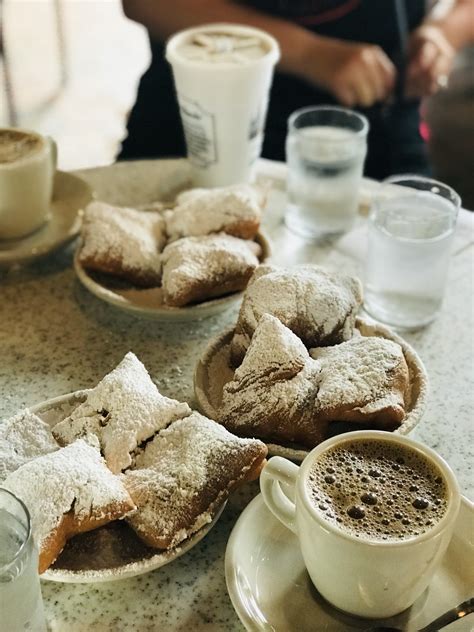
{"x":275,"y":472}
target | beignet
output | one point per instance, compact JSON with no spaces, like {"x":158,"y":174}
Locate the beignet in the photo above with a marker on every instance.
{"x":318,"y":306}
{"x":363,"y":380}
{"x":123,"y":242}
{"x":273,"y":395}
{"x":184,"y":475}
{"x":199,"y":268}
{"x":23,"y":437}
{"x":123,"y":410}
{"x":235,"y":210}
{"x":67,"y":492}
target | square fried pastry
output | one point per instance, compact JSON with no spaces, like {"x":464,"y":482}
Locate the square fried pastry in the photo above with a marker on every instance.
{"x":184,"y":475}
{"x":364,"y":380}
{"x":283,"y":394}
{"x":199,"y":268}
{"x":67,"y":492}
{"x":273,"y":395}
{"x":23,"y":437}
{"x":123,"y":242}
{"x":235,"y":210}
{"x":318,"y":306}
{"x":123,"y":410}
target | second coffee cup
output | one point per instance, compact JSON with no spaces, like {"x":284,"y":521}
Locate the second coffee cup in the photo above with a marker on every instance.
{"x":374,"y":513}
{"x":222,"y":75}
{"x":27,"y":168}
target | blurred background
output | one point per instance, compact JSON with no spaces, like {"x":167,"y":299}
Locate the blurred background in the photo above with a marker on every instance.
{"x":70,"y":68}
{"x":71,"y":71}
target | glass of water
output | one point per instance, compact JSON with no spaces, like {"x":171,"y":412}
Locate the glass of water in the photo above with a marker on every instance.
{"x":21,"y":605}
{"x":325,"y":152}
{"x":411,"y":229}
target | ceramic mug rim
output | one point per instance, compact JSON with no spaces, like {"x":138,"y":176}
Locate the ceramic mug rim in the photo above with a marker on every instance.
{"x":453,"y":500}
{"x":45,"y":146}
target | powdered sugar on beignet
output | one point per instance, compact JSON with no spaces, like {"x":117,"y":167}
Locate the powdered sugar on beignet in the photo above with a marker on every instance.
{"x":283,"y":394}
{"x":197,"y":268}
{"x":67,"y":492}
{"x":235,"y":210}
{"x":273,"y":394}
{"x":123,"y":242}
{"x":123,"y":410}
{"x":184,"y":475}
{"x":318,"y":306}
{"x":23,"y":437}
{"x":364,"y":379}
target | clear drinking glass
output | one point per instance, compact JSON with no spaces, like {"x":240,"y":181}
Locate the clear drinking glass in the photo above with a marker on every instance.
{"x":325,"y":152}
{"x":411,"y":228}
{"x":21,"y":605}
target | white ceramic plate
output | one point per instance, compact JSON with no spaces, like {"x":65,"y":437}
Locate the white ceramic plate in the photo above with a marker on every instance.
{"x":213,"y":371}
{"x":271,"y":590}
{"x":148,"y":303}
{"x":111,"y":552}
{"x":71,"y":195}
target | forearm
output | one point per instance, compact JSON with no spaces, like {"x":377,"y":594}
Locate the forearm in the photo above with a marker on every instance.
{"x":456,"y":20}
{"x":299,"y":47}
{"x":353,"y":73}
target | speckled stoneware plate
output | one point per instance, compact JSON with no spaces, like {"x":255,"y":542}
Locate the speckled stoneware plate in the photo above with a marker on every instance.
{"x":111,"y":552}
{"x":271,"y":590}
{"x":148,"y":303}
{"x":213,"y":371}
{"x":70,"y":196}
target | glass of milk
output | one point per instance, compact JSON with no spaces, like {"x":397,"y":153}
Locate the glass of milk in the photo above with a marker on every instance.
{"x":411,"y":229}
{"x":21,"y":605}
{"x":325,"y":152}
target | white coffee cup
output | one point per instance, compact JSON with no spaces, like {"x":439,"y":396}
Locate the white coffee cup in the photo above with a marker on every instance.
{"x":223,"y":95}
{"x":27,"y":167}
{"x":365,"y":577}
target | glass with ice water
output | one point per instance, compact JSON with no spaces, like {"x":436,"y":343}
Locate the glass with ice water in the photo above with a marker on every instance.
{"x":21,"y":605}
{"x":411,"y":229}
{"x":325,"y":152}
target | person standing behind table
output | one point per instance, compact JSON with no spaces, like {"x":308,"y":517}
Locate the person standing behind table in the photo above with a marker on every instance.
{"x":379,"y":56}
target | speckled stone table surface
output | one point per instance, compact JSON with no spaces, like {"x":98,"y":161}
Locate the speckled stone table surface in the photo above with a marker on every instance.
{"x":55,"y":337}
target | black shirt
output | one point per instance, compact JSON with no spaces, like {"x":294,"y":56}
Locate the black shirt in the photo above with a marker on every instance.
{"x":154,"y":127}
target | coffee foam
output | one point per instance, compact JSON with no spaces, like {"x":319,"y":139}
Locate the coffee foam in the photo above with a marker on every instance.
{"x":222,"y":46}
{"x":378,"y":490}
{"x":15,"y":145}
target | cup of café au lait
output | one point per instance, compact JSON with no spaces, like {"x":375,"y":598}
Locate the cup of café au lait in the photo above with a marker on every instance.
{"x":27,"y":167}
{"x":222,"y":75}
{"x":374,"y":513}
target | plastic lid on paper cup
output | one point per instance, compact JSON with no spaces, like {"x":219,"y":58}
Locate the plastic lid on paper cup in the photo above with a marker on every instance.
{"x":222,"y":45}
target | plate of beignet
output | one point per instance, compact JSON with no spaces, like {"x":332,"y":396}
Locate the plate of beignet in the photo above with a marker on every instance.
{"x":119,"y":479}
{"x":301,"y":366}
{"x":182,"y":261}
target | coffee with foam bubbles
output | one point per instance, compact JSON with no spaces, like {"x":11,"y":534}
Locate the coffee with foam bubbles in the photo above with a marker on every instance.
{"x":16,"y":144}
{"x":378,"y":490}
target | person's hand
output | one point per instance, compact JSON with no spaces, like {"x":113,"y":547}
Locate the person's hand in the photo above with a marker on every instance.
{"x":430,"y":57}
{"x":356,"y":74}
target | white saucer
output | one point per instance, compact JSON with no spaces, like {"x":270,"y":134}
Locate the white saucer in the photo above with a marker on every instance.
{"x":70,"y":196}
{"x":148,"y":303}
{"x":214,"y":370}
{"x":112,"y":552}
{"x":272,"y":592}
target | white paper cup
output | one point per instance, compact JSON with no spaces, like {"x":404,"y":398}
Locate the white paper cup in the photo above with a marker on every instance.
{"x":364,"y":576}
{"x":26,"y":185}
{"x":223,"y":104}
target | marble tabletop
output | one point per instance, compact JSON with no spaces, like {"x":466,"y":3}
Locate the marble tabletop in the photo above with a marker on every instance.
{"x":55,"y":337}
